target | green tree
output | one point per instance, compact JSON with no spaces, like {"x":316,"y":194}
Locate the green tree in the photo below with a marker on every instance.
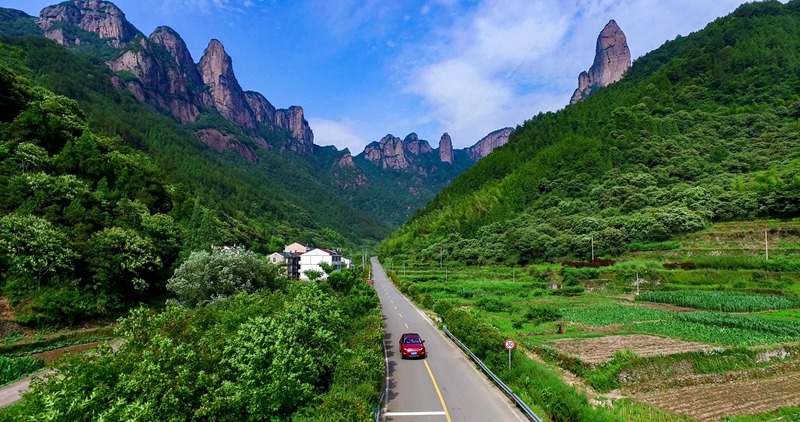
{"x":119,"y":259}
{"x":207,"y":277}
{"x":31,"y":248}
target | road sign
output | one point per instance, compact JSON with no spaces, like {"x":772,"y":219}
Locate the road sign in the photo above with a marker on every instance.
{"x":510,"y":344}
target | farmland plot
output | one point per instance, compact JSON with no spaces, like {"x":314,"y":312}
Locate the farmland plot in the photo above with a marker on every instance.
{"x":601,"y":349}
{"x":711,"y":402}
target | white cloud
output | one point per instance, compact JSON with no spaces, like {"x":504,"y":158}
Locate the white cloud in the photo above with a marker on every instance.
{"x":343,"y":134}
{"x":507,"y":60}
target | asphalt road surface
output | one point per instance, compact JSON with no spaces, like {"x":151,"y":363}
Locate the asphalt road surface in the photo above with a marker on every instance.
{"x":444,"y":387}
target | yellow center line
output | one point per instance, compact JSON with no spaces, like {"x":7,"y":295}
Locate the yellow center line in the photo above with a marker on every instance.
{"x":446,"y":413}
{"x":401,"y":315}
{"x":405,"y":325}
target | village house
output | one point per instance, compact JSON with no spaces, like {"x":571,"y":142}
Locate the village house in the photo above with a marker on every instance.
{"x":289,"y":261}
{"x":311,"y":260}
{"x":296,"y":248}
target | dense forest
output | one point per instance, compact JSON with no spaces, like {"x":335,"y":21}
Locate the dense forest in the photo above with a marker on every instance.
{"x":703,"y":129}
{"x":104,"y":196}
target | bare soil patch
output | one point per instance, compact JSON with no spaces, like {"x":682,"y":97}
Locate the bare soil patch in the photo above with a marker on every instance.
{"x":601,"y":349}
{"x":711,"y":402}
{"x":6,"y":314}
{"x":51,"y":356}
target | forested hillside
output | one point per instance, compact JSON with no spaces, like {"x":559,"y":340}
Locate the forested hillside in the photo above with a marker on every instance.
{"x":102,"y":195}
{"x":703,"y":129}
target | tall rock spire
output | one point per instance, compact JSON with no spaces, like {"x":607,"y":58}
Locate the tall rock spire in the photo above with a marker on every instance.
{"x":612,"y":59}
{"x":216,"y":69}
{"x":446,"y":148}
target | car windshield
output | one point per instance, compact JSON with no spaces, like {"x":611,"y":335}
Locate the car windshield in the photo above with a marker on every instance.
{"x":412,"y":340}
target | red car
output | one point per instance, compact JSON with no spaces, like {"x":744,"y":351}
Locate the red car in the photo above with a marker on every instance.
{"x":412,"y":346}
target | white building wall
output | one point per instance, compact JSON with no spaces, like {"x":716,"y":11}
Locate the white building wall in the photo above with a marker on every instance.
{"x":310,"y":261}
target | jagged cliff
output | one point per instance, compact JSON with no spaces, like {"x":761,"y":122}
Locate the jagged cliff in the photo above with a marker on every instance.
{"x":488,"y":143}
{"x":612,"y":59}
{"x":95,"y":16}
{"x":159,"y":70}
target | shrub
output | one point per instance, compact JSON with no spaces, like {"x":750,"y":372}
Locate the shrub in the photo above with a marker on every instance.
{"x":540,"y":314}
{"x":206,"y":277}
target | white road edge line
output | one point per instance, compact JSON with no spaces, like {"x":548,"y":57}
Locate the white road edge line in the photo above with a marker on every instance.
{"x":439,"y":413}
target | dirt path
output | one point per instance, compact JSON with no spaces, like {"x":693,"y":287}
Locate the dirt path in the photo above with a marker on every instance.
{"x":12,"y":393}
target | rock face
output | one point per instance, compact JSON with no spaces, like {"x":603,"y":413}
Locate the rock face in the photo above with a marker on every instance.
{"x":612,"y":59}
{"x":160,"y":71}
{"x":399,"y":154}
{"x":168,"y":82}
{"x":293,"y":121}
{"x":489,"y":142}
{"x":416,"y":146}
{"x":221,"y":142}
{"x":389,"y":151}
{"x":446,"y":149}
{"x":97,"y":16}
{"x":216,"y":70}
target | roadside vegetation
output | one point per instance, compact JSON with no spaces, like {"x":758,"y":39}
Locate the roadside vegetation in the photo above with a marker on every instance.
{"x":285,"y":351}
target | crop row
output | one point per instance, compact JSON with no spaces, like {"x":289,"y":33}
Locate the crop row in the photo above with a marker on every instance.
{"x":605,"y":315}
{"x":723,"y":301}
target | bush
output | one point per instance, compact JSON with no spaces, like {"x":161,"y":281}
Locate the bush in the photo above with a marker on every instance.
{"x":207,"y":277}
{"x":63,"y":305}
{"x":573,"y":276}
{"x":540,"y":314}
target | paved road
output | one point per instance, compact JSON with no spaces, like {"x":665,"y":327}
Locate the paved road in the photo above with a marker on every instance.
{"x":12,"y":393}
{"x":444,"y":387}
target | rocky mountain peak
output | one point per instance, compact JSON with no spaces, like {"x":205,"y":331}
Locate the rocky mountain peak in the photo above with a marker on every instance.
{"x":389,"y":151}
{"x":446,"y":148}
{"x":216,"y":70}
{"x":416,"y":146}
{"x":488,"y":143}
{"x":171,"y":41}
{"x":293,"y":121}
{"x":100,"y":17}
{"x":612,"y":59}
{"x":346,"y":160}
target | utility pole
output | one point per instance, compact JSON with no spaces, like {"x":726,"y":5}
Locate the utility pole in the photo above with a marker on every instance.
{"x":592,"y":247}
{"x":637,"y":283}
{"x":766,"y":245}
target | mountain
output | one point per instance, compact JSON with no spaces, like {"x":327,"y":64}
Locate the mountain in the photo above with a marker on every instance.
{"x":206,"y":96}
{"x":611,"y":60}
{"x":702,"y":129}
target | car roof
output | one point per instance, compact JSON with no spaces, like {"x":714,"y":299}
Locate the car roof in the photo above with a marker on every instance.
{"x":410,"y":335}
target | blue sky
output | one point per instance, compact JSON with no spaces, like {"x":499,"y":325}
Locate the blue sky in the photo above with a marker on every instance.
{"x":364,"y":68}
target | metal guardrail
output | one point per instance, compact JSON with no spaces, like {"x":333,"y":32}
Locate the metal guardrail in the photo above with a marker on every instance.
{"x":521,"y":404}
